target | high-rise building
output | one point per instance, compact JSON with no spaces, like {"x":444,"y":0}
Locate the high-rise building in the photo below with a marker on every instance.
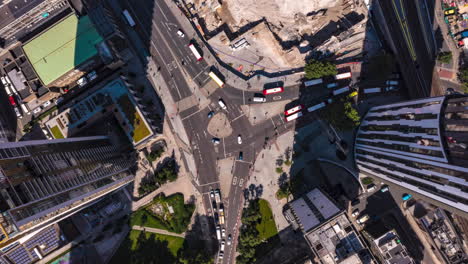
{"x":44,"y":181}
{"x":421,"y":146}
{"x":407,"y":28}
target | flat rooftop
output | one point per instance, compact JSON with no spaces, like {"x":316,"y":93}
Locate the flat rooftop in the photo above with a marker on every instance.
{"x":62,"y":47}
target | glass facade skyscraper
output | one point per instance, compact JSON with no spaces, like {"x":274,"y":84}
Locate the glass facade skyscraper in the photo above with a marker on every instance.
{"x":43,"y":181}
{"x":419,"y":145}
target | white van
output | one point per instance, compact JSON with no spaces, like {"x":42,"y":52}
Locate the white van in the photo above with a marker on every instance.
{"x":363,"y":219}
{"x":372,"y":90}
{"x":259,"y":99}
{"x":391,"y":82}
{"x":222,"y":104}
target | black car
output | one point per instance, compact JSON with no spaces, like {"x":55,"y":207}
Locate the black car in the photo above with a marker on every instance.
{"x":241,"y":155}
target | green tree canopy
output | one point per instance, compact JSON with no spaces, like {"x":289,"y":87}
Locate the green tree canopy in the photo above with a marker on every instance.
{"x":317,"y":69}
{"x":342,"y":115}
{"x":445,"y":57}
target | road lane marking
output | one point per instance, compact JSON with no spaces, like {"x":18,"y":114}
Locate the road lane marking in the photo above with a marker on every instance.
{"x":215,"y":182}
{"x":243,"y":96}
{"x":237,"y":117}
{"x":162,"y":12}
{"x":196,"y":112}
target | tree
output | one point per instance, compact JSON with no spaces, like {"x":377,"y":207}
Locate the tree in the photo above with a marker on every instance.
{"x":445,"y":57}
{"x":317,"y":69}
{"x":279,"y":170}
{"x":341,"y":115}
{"x":463,"y":77}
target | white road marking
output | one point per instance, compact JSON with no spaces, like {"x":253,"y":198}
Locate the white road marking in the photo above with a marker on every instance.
{"x":241,"y":182}
{"x":238,"y":118}
{"x":162,"y":12}
{"x":196,"y":112}
{"x":209,"y":184}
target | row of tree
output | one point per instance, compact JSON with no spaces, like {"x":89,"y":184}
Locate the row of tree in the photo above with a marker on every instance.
{"x":249,"y":237}
{"x":168,"y":173}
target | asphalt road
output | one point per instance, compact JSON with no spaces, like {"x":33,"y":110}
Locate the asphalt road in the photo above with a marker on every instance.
{"x":157,"y":25}
{"x":414,"y":46}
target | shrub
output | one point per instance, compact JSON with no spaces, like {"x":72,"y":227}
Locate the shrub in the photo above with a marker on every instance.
{"x":445,"y":57}
{"x":279,"y":170}
{"x":367,"y":180}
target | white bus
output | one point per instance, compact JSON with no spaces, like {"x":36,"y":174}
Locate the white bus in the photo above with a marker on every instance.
{"x":372,"y":90}
{"x":195,"y":52}
{"x":341,"y":90}
{"x":313,"y":82}
{"x":341,"y":76}
{"x":316,"y":107}
{"x":293,"y":117}
{"x":217,"y":80}
{"x":129,"y":18}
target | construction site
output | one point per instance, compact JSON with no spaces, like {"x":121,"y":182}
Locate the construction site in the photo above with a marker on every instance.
{"x":279,"y":35}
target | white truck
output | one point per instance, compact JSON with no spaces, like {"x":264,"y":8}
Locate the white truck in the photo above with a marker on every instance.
{"x":218,"y":232}
{"x":217,"y":196}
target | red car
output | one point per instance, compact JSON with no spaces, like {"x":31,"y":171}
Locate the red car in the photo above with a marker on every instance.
{"x":12,"y":100}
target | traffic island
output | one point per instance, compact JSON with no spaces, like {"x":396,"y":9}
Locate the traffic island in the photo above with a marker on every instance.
{"x":219,"y":126}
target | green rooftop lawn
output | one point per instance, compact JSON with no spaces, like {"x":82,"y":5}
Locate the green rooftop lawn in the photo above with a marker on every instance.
{"x":62,"y":47}
{"x":140,"y":130}
{"x":56,"y":132}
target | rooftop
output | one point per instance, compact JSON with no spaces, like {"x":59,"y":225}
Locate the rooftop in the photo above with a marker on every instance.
{"x":113,"y":97}
{"x":312,"y":209}
{"x":62,"y":47}
{"x":392,"y":250}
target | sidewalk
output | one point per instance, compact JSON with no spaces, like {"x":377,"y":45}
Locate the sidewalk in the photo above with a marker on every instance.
{"x":158,"y":231}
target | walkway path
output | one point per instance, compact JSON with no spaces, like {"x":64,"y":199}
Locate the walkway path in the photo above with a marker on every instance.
{"x":158,"y":231}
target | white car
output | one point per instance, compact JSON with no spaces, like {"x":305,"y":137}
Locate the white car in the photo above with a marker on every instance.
{"x":222,"y":104}
{"x":363,"y":219}
{"x":82,"y":81}
{"x":371,"y":187}
{"x":17,"y":112}
{"x":215,"y":141}
{"x":37,"y":110}
{"x":223,"y":232}
{"x":46,"y":104}
{"x":222,"y":245}
{"x":180,"y":33}
{"x":355,"y":212}
{"x":221,"y":255}
{"x":212,"y":194}
{"x":239,"y":139}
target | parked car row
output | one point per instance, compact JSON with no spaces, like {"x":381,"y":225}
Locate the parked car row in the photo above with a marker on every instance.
{"x":218,"y":208}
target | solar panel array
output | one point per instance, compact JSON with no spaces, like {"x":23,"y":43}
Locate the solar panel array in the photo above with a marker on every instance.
{"x":49,"y":237}
{"x":19,"y":255}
